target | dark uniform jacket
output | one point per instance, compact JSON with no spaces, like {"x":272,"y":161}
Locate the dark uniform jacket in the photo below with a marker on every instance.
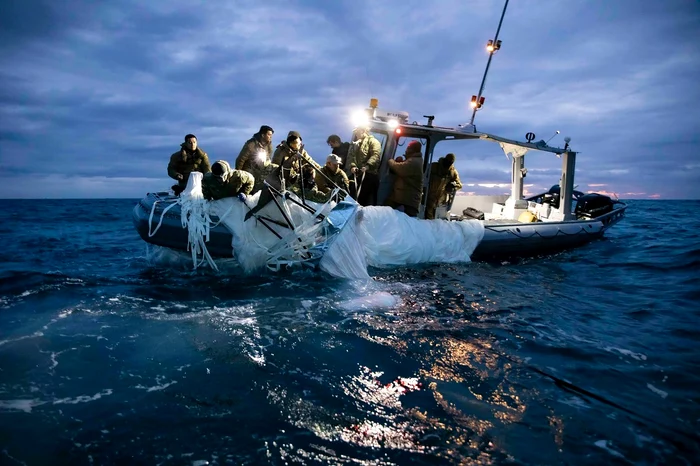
{"x":408,"y":185}
{"x":342,"y":152}
{"x":184,"y":162}
{"x":248,"y":157}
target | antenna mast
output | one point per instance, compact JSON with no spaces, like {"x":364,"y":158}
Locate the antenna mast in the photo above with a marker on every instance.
{"x":492,"y":46}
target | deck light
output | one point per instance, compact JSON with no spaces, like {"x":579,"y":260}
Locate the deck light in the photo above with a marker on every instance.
{"x":398,"y":131}
{"x":392,"y":123}
{"x":473,"y":102}
{"x":360,"y":118}
{"x":492,"y":46}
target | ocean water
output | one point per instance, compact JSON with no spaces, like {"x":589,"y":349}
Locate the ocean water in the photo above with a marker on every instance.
{"x":112,"y":354}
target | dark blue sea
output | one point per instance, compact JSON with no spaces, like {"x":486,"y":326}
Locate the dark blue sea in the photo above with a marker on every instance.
{"x":111,"y":356}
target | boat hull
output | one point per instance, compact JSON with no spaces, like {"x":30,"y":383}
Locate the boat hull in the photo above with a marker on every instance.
{"x":514,"y":239}
{"x":171,"y":234}
{"x":501,"y":239}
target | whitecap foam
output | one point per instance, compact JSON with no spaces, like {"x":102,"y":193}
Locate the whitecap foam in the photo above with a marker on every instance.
{"x":53,"y":355}
{"x":658,"y":391}
{"x":605,"y":445}
{"x":158,"y":387}
{"x":23,"y":337}
{"x":625,"y":352}
{"x":83,"y":398}
{"x":574,"y":402}
{"x":378,"y":300}
{"x":20,"y":405}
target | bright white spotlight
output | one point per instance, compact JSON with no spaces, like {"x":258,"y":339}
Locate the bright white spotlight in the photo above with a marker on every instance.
{"x":359,"y":118}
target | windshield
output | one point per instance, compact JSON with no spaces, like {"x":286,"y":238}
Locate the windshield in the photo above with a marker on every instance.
{"x":381,"y":137}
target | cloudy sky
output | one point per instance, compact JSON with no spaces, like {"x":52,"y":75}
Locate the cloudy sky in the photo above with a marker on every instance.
{"x":95,"y":96}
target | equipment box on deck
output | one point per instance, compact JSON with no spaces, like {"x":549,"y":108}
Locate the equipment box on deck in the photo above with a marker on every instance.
{"x":472,"y":213}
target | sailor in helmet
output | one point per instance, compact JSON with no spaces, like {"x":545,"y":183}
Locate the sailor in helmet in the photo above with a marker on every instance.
{"x":331,"y":174}
{"x":223,"y":182}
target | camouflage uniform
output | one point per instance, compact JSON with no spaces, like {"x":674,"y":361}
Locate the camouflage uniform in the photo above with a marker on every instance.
{"x":261,"y":173}
{"x":339,"y":178}
{"x":248,"y":157}
{"x":238,"y":181}
{"x":440,"y":177}
{"x":311,"y":194}
{"x":184,"y":162}
{"x":365,"y":153}
{"x":283,"y":150}
{"x":291,"y":165}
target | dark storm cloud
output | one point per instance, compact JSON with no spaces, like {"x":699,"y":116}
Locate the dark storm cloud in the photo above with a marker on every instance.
{"x":92,"y":93}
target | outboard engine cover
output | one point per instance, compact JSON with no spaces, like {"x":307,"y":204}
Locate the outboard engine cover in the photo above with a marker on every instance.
{"x":551,"y":199}
{"x":593,"y":205}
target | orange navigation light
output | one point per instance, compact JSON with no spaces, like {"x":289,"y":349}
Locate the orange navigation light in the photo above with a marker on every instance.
{"x":477,"y":102}
{"x":492,"y":46}
{"x":373,"y":103}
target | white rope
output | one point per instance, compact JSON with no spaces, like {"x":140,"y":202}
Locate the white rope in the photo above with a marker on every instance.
{"x":195,"y":217}
{"x":162,"y":214}
{"x":359,"y":187}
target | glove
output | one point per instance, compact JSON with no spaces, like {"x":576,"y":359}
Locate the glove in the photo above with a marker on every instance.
{"x":241,"y":197}
{"x":179,"y":176}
